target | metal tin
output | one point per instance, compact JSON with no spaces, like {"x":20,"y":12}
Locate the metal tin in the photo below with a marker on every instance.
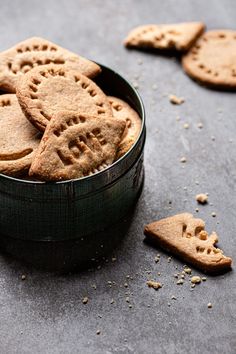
{"x":76,"y":209}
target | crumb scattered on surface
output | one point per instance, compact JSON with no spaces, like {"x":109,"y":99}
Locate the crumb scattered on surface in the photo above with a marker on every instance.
{"x":23,"y":277}
{"x":154,"y":86}
{"x":154,"y":284}
{"x":176,"y":100}
{"x":112,"y":301}
{"x":201,"y":198}
{"x":169,"y":259}
{"x":197,"y":210}
{"x":213,"y":214}
{"x":173,"y":297}
{"x":186,"y":126}
{"x":85,"y":300}
{"x":196,"y":279}
{"x":209,"y":305}
{"x":157,"y":259}
{"x":192,"y":285}
{"x":94,"y":286}
{"x":180,"y":282}
{"x":98,"y":332}
{"x":187,"y":270}
{"x":125,"y":285}
{"x":183,"y":159}
{"x":204,"y":278}
{"x":113,"y":259}
{"x":200,"y":125}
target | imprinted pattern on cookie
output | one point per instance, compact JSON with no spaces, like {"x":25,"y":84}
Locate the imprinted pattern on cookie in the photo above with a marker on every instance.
{"x":122,"y":110}
{"x":185,"y":236}
{"x":35,"y":52}
{"x":76,"y":145}
{"x":18,"y":138}
{"x":176,"y":36}
{"x":212,"y":59}
{"x":83,"y":94}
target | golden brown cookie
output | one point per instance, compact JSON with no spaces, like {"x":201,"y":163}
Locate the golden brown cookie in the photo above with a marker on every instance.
{"x":37,"y":51}
{"x":122,"y":110}
{"x":178,"y":36}
{"x":18,"y":138}
{"x":212,"y":60}
{"x":76,"y":145}
{"x":48,"y":89}
{"x":184,"y":236}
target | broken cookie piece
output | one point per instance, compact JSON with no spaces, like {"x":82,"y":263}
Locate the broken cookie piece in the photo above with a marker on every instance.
{"x":178,"y":36}
{"x":184,"y":236}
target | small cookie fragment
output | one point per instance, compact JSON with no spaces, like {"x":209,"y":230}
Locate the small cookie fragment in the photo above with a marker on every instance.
{"x":209,"y":305}
{"x":19,"y":140}
{"x":182,"y":235}
{"x":154,"y":284}
{"x":76,"y":145}
{"x":211,"y":60}
{"x":49,"y":89}
{"x":122,"y":110}
{"x":178,"y":36}
{"x":85,"y":300}
{"x":201,"y":198}
{"x":176,"y":100}
{"x":36,"y":51}
{"x":196,"y":279}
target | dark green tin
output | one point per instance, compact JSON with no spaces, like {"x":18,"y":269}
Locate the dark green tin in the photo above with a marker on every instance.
{"x":74,"y":210}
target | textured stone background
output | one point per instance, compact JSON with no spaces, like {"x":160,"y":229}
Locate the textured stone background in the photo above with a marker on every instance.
{"x":44,"y":313}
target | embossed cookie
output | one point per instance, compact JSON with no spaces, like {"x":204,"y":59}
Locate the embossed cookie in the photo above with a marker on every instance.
{"x":178,"y":36}
{"x":212,"y":60}
{"x":76,"y":145}
{"x":48,"y":89}
{"x":37,"y":51}
{"x":185,"y":236}
{"x":122,"y":110}
{"x":18,"y":138}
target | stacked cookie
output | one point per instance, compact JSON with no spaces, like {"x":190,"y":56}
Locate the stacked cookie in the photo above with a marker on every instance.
{"x":57,"y":124}
{"x":209,"y":58}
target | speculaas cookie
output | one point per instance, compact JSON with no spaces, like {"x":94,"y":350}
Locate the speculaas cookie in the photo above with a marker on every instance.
{"x":18,"y":138}
{"x":122,"y":110}
{"x":48,"y":89}
{"x":37,"y":51}
{"x":76,"y":145}
{"x":212,"y":59}
{"x":184,"y":236}
{"x":178,"y":36}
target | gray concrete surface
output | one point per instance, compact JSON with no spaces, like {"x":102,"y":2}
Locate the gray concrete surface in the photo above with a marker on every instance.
{"x":45,"y":313}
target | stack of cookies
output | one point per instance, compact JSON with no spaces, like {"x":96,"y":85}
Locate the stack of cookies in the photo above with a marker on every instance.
{"x":57,"y":124}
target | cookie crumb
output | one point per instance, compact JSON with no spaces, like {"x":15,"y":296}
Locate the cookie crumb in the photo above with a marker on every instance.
{"x":180,"y":282}
{"x":209,"y":305}
{"x":125,"y":285}
{"x":157,"y":259}
{"x":183,"y":159}
{"x":85,"y":300}
{"x":186,"y":126}
{"x":113,"y":259}
{"x":154,"y":284}
{"x":94,"y":286}
{"x":201,"y":198}
{"x":187,"y":270}
{"x":213,"y":214}
{"x":200,"y":125}
{"x":23,"y":277}
{"x":176,"y":100}
{"x":169,"y":259}
{"x":204,"y":278}
{"x":98,"y":332}
{"x":112,"y":301}
{"x":154,"y":86}
{"x":196,"y":279}
{"x":173,"y":297}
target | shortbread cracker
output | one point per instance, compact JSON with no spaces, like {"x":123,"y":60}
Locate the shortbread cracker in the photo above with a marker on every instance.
{"x":178,"y":36}
{"x":76,"y":145}
{"x":184,"y":236}
{"x":48,"y":89}
{"x":212,"y":60}
{"x":122,"y":110}
{"x":18,"y":138}
{"x":37,"y":51}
